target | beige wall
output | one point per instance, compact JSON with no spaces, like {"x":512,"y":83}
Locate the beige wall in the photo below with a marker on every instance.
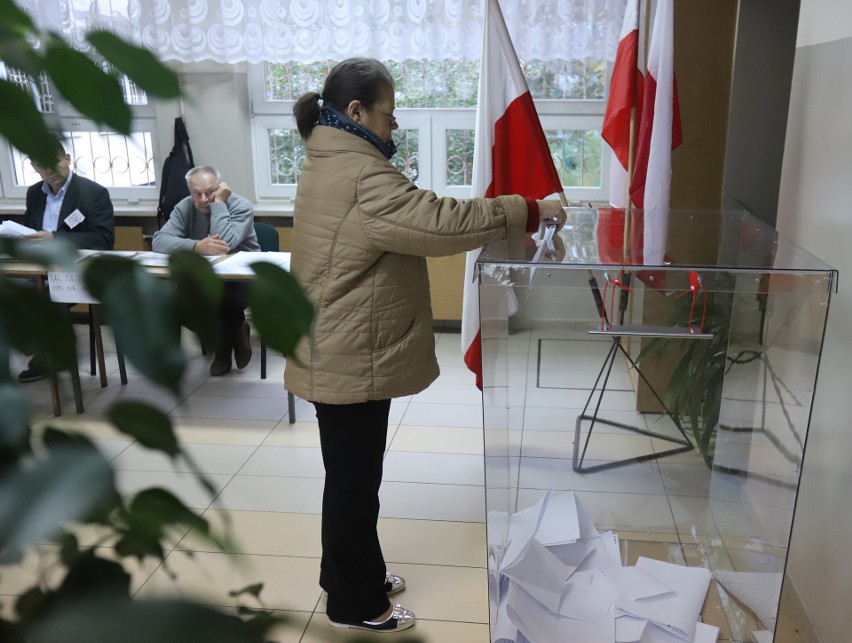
{"x":814,"y":210}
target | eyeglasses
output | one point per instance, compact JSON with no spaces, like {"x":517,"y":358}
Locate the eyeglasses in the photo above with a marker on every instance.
{"x":391,"y":118}
{"x":197,"y":194}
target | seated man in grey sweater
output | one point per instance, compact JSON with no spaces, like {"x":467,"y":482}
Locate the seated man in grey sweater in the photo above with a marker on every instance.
{"x":214,"y":221}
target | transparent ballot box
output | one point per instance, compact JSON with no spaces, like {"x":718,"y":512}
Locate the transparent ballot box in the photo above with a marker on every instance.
{"x":646,"y":407}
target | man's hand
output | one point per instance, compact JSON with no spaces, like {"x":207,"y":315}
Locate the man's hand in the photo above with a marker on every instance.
{"x":222,"y":193}
{"x":212,"y":245}
{"x":41,"y":234}
{"x":550,"y":212}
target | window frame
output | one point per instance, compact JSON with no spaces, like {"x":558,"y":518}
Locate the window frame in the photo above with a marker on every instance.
{"x":432,"y":125}
{"x":67,"y":119}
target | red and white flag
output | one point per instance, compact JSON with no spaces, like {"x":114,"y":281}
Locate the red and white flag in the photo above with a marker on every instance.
{"x":659,"y":133}
{"x":511,"y":155}
{"x":625,"y":92}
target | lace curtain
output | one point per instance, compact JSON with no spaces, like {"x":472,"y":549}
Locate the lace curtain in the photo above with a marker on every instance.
{"x":232,"y":31}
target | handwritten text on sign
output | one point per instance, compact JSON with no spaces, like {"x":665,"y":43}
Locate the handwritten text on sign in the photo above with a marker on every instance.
{"x":68,"y":288}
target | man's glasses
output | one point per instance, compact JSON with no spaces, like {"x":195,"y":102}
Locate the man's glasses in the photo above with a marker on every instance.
{"x":197,"y":194}
{"x":391,"y":118}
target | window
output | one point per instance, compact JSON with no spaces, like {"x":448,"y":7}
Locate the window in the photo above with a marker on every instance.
{"x":124,"y":164}
{"x":436,"y":110}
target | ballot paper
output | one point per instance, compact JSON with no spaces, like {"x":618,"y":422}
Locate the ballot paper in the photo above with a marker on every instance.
{"x":553,"y":577}
{"x":564,"y":521}
{"x":522,"y":528}
{"x":539,"y":625}
{"x":704,"y":633}
{"x":546,"y":245}
{"x":541,"y":574}
{"x":677,"y":611}
{"x":12,"y":229}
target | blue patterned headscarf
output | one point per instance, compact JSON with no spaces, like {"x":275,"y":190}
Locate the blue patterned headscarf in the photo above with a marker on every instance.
{"x":332,"y":118}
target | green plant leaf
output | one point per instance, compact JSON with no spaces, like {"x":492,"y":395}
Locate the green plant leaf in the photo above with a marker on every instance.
{"x":199,"y":292}
{"x":95,"y":93}
{"x":105,"y":619}
{"x":32,"y":323}
{"x":53,"y":253}
{"x":14,"y":423}
{"x":15,"y":18}
{"x":140,"y":65}
{"x":160,"y":508}
{"x":91,"y":574}
{"x":23,"y":125}
{"x":142,"y":312}
{"x":30,"y":605}
{"x":37,"y":501}
{"x":279,"y":309}
{"x":149,"y":426}
{"x":251,"y":590}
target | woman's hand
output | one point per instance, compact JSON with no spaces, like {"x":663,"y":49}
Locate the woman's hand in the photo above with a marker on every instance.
{"x":551,"y":212}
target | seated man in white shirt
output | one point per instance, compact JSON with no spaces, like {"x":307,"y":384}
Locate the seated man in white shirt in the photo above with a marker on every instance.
{"x":214,"y":221}
{"x":64,"y":204}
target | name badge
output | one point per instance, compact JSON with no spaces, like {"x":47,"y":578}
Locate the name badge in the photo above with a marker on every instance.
{"x":74,"y":219}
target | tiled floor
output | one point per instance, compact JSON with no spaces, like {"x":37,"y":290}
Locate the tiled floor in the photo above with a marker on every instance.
{"x":268,"y":477}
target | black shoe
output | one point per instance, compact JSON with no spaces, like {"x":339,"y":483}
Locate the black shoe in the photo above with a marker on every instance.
{"x":220,"y":367}
{"x":32,"y":374}
{"x":242,"y":349}
{"x":400,"y":619}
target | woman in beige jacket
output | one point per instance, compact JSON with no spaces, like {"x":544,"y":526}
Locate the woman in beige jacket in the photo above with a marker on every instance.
{"x":361,"y":234}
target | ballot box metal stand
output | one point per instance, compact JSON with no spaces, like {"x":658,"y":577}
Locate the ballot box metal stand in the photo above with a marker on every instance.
{"x":596,"y":395}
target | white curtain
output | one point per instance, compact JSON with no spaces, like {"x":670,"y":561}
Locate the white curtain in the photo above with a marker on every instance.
{"x":231,"y":31}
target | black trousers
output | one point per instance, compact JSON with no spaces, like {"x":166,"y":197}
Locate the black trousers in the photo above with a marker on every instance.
{"x":231,"y":317}
{"x":352,"y":571}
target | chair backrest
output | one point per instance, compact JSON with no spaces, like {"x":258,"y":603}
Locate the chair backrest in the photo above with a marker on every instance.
{"x":267,"y":237}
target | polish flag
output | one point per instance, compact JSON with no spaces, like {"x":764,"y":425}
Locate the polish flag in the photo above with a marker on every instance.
{"x":510,"y":153}
{"x":625,"y":93}
{"x":659,"y":133}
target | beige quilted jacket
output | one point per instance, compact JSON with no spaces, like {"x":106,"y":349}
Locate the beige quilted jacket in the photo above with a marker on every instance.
{"x":361,"y":233}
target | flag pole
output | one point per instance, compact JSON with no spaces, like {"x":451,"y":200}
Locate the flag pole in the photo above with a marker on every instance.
{"x":631,"y":149}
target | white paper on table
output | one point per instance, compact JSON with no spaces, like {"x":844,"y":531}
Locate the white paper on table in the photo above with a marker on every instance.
{"x":539,"y":625}
{"x":152,"y":259}
{"x":68,"y":287}
{"x":677,"y":612}
{"x":240,"y":262}
{"x":12,"y":229}
{"x":522,"y":527}
{"x":541,"y":575}
{"x":561,"y":522}
{"x":588,"y":597}
{"x":761,"y":636}
{"x":759,"y":591}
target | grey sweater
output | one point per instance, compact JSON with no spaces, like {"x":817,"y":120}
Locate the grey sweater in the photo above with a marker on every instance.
{"x":232,"y":221}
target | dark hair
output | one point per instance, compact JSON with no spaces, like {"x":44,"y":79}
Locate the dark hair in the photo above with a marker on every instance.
{"x":361,"y":79}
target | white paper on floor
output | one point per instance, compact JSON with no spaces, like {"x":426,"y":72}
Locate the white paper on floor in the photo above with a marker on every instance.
{"x":558,"y":579}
